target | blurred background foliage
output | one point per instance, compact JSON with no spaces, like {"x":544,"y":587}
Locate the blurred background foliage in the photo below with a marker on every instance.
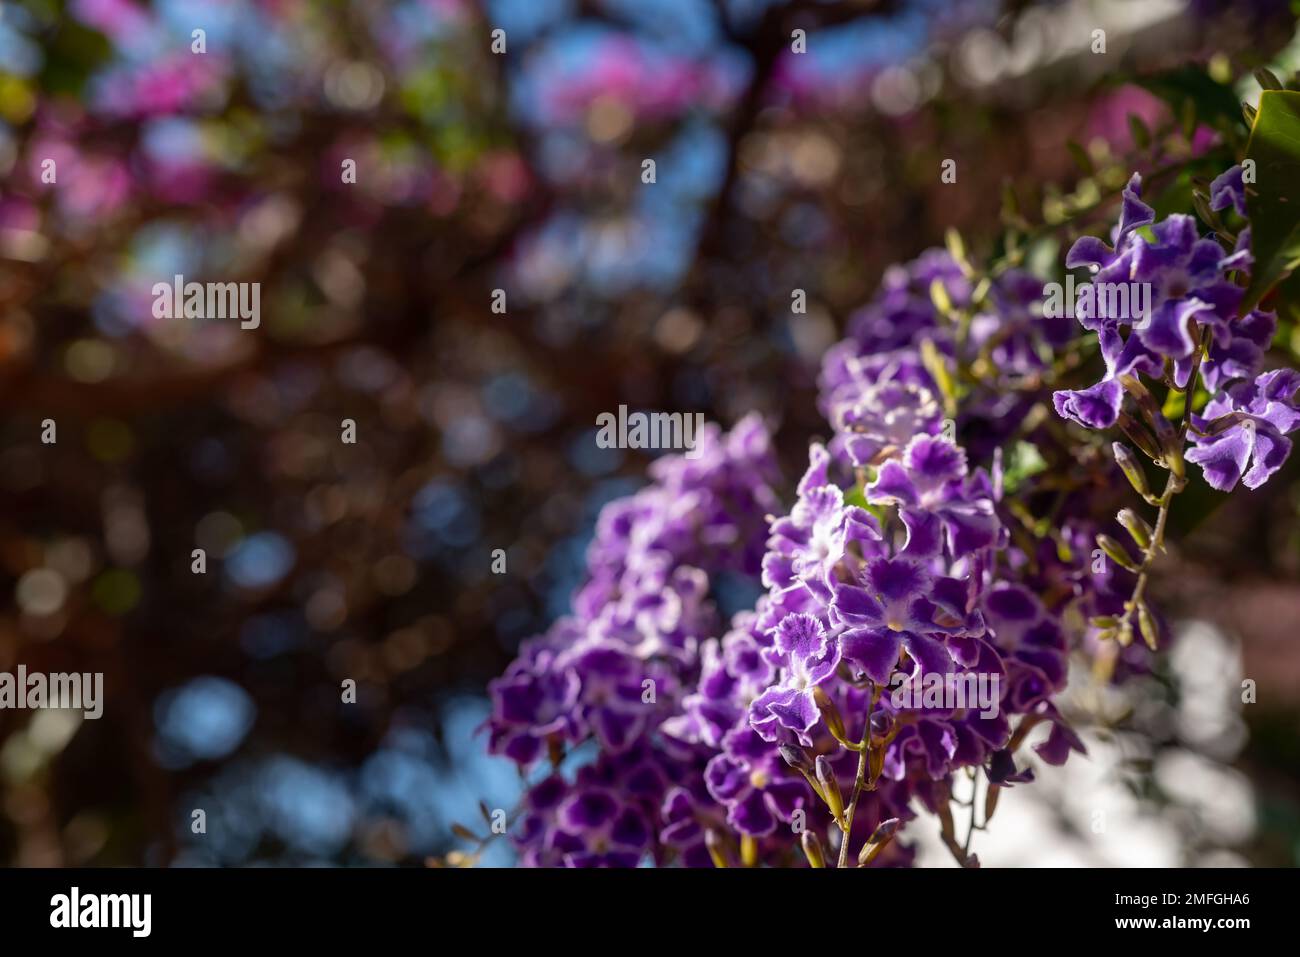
{"x":477,"y":172}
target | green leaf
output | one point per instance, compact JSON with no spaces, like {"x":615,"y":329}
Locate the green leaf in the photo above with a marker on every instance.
{"x":1025,"y":461}
{"x":1139,"y":131}
{"x":1287,"y":300}
{"x":1268,"y":80}
{"x":1215,"y":103}
{"x":1274,"y":202}
{"x":1080,"y":157}
{"x":957,"y":250}
{"x":937,"y":365}
{"x":939,"y":296}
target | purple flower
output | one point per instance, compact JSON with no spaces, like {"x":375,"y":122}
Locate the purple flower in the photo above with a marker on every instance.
{"x":1228,"y":189}
{"x":1029,"y":638}
{"x":612,"y":703}
{"x":752,"y":781}
{"x":1096,"y":407}
{"x":934,"y":743}
{"x":1238,"y":348}
{"x":937,"y":503}
{"x":1188,"y":280}
{"x":1091,"y":251}
{"x":949,"y":595}
{"x":1062,"y":739}
{"x":885,"y":417}
{"x":805,"y":545}
{"x":684,"y":813}
{"x":808,"y":657}
{"x":902,"y":311}
{"x":1240,"y":435}
{"x":731,"y":675}
{"x":529,"y":704}
{"x":877,"y":402}
{"x":1188,"y":283}
{"x":1014,"y":330}
{"x":898,"y":604}
{"x":597,"y":829}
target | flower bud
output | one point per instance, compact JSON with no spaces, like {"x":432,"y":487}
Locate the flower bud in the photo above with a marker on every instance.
{"x":882,"y":722}
{"x":812,"y":849}
{"x":1147,"y":625}
{"x":880,"y":837}
{"x":884,"y":831}
{"x":830,"y":788}
{"x":1132,"y":470}
{"x":797,"y":758}
{"x":1117,"y":553}
{"x":875,"y":763}
{"x":1125,"y":633}
{"x":1135,"y":525}
{"x":830,"y":714}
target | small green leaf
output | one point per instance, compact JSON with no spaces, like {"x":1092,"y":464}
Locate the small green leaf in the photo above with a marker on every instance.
{"x":1141,"y":134}
{"x":937,"y":365}
{"x":1025,"y":461}
{"x":1273,"y":201}
{"x":1267,"y":79}
{"x":957,"y":250}
{"x":1080,"y":157}
{"x":939,"y":296}
{"x":1175,"y":404}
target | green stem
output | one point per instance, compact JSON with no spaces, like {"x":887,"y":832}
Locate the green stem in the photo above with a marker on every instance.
{"x":1176,"y":482}
{"x":859,"y":781}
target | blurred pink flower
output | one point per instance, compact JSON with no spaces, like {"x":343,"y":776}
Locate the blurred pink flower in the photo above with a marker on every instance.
{"x":1108,"y":116}
{"x":120,"y":20}
{"x":98,"y":186}
{"x":505,"y":176}
{"x":184,"y":182}
{"x":651,"y":85}
{"x":172,"y":85}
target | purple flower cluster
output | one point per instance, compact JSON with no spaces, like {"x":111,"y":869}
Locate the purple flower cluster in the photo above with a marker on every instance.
{"x":863,"y":600}
{"x":914,"y":625}
{"x":1194,"y":298}
{"x":616,"y":669}
{"x":1241,"y":433}
{"x":902,"y":313}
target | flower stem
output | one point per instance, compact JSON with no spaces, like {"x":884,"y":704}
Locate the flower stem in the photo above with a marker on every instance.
{"x":860,"y":780}
{"x":1176,"y":482}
